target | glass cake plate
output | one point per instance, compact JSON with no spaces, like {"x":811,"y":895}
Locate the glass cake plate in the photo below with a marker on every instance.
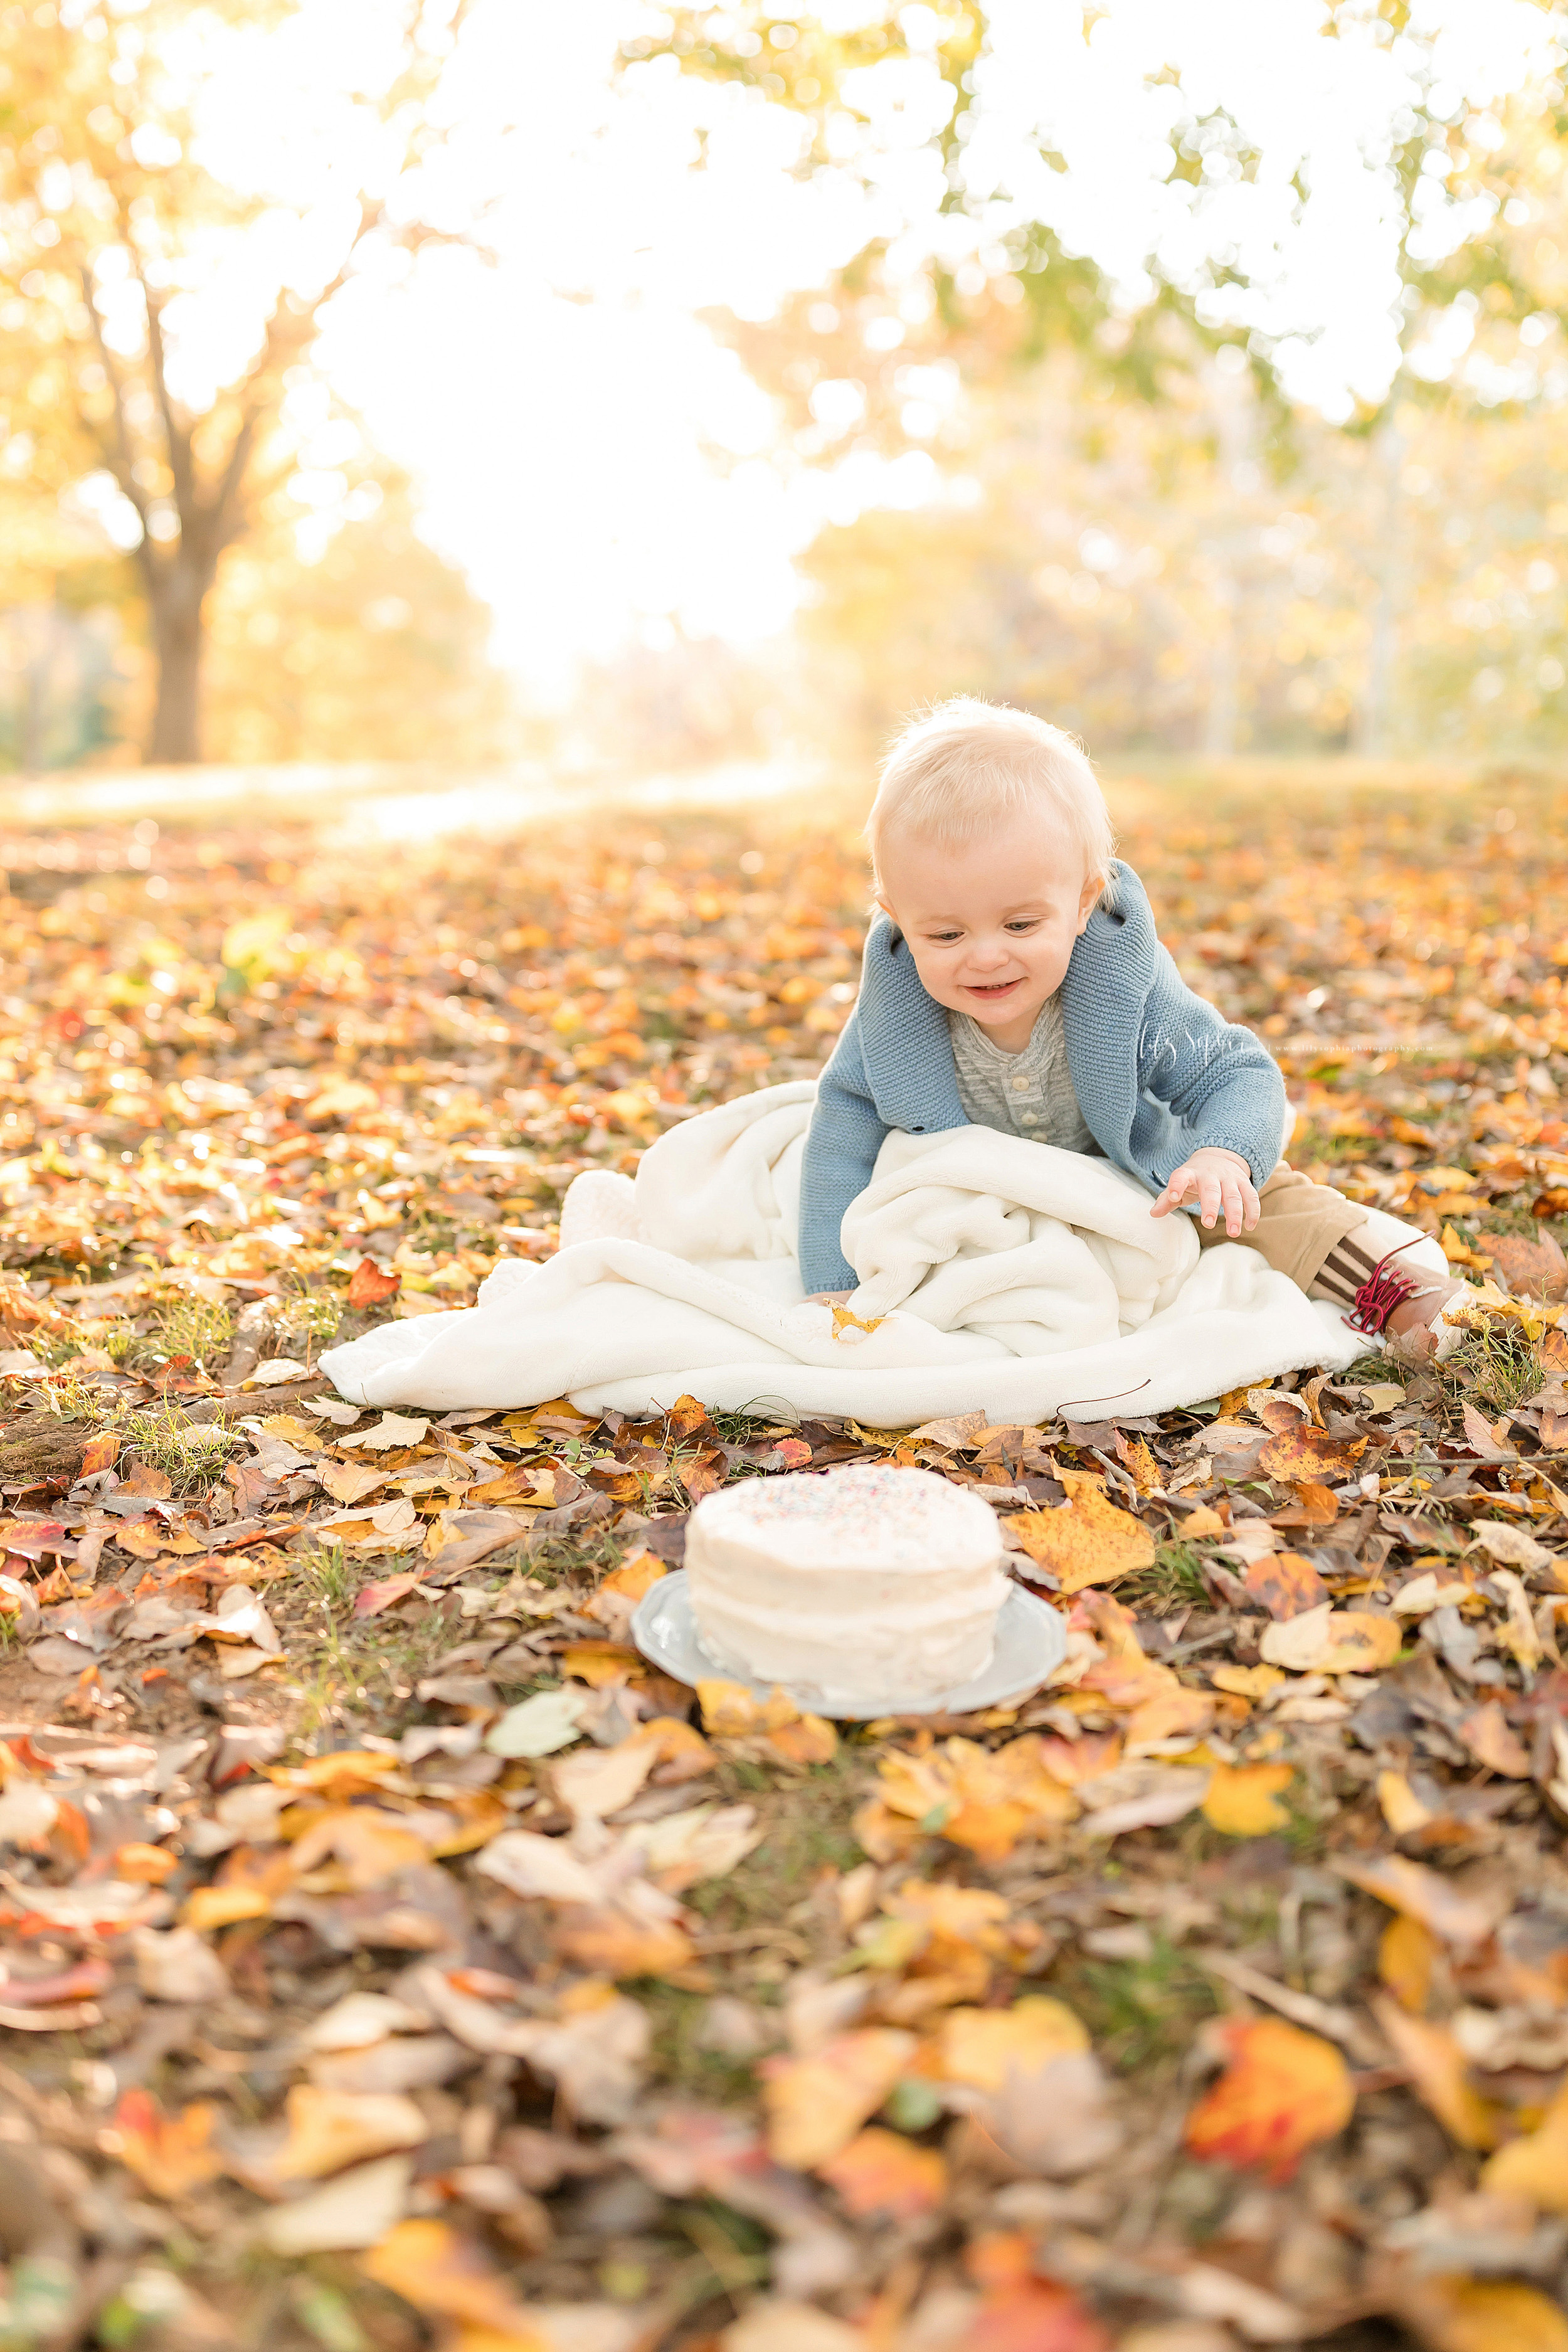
{"x":1031,"y":1643}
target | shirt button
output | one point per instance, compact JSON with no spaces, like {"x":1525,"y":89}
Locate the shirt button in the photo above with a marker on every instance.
{"x":1020,"y":1086}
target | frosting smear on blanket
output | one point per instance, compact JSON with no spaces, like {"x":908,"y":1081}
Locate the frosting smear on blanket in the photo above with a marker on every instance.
{"x":862,"y":1586}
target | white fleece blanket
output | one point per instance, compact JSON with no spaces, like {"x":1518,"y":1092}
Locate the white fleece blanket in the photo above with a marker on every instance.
{"x":1009,"y":1277}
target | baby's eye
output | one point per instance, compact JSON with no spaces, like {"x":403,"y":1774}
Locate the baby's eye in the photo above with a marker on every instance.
{"x":1024,"y":923}
{"x":943,"y":939}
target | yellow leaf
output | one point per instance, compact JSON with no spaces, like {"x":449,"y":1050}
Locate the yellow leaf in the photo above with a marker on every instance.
{"x":220,"y":1907}
{"x":1464,"y":2314}
{"x":1535,"y":2168}
{"x":1242,"y":1800}
{"x":1402,"y":1807}
{"x":1246,"y":1682}
{"x":328,"y":2130}
{"x":981,"y":2047}
{"x":1085,"y":1540}
{"x":1407,"y":1954}
{"x":816,"y":2105}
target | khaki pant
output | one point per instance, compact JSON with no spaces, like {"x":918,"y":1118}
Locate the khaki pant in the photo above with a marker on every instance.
{"x":1299,"y":1224}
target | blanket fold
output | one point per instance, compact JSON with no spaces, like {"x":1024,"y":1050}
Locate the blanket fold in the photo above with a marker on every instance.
{"x":1001,"y":1274}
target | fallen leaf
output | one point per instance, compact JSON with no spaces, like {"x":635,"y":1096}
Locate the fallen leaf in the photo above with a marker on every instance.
{"x":539,"y":1725}
{"x":356,"y":2209}
{"x":330,"y":2130}
{"x":1282,"y":2091}
{"x":391,"y":1430}
{"x":597,"y":1781}
{"x":1512,"y":1546}
{"x":1246,"y":1682}
{"x":371,"y":1599}
{"x":1439,"y":2077}
{"x":169,"y":2154}
{"x":1243,"y":1799}
{"x":1085,"y":1540}
{"x":1491,"y":1741}
{"x":1327,"y":1641}
{"x":371,"y":1284}
{"x":1450,"y":1909}
{"x":1464,"y":2314}
{"x":1402,"y":1807}
{"x":1142,"y":1796}
{"x":1285,"y":1585}
{"x":816,"y":2105}
{"x":532,"y":1864}
{"x":978,"y":2046}
{"x":1305,"y":1457}
{"x":1535,"y":2167}
{"x":883,"y":2172}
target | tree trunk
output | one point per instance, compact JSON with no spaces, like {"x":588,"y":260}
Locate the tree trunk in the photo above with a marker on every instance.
{"x":177,"y":638}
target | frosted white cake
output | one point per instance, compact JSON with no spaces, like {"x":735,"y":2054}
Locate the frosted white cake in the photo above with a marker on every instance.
{"x":864,"y":1586}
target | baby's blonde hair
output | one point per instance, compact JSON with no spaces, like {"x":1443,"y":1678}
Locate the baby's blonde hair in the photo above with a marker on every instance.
{"x":967,"y":764}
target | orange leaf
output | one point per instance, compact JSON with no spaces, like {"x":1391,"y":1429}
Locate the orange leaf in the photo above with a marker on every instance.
{"x":1306,"y":1456}
{"x":1085,"y":1540}
{"x":1286,"y":1584}
{"x":812,"y":1740}
{"x":168,"y":2154}
{"x":816,"y":2105}
{"x":446,"y":2276}
{"x":1440,"y":2078}
{"x":613,"y":1944}
{"x":683,"y":1753}
{"x":1282,"y":2091}
{"x":883,"y":2172}
{"x":102,"y":1452}
{"x":370,"y":1284}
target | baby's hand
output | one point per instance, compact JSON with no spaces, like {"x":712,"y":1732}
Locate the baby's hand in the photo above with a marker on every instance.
{"x":1222,"y":1181}
{"x":828,"y":1297}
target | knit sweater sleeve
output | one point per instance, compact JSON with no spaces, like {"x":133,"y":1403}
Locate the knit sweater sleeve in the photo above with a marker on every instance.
{"x":841,"y":1147}
{"x":1218,"y":1080}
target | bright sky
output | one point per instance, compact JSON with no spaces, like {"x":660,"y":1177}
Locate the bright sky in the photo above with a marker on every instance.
{"x":595,"y":460}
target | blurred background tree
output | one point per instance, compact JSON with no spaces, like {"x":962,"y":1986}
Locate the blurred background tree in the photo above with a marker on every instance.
{"x":156,"y":322}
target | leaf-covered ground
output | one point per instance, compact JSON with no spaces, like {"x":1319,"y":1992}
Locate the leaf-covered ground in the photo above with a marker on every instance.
{"x":391,"y":1957}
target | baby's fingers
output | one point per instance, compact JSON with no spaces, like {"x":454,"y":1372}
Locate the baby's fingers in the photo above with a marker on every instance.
{"x":1178,"y":1185}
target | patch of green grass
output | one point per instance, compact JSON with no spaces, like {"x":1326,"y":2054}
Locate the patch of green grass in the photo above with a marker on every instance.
{"x":1140,"y":2013}
{"x":1494,"y":1367}
{"x":308,"y":1317}
{"x":192,"y":1455}
{"x":805,"y":1828}
{"x":184,"y":1325}
{"x":1176,"y":1579}
{"x":678,"y":2056}
{"x":333,"y":1575}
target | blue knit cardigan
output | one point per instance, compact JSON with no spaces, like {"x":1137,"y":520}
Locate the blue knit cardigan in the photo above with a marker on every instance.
{"x":1157,"y":1072}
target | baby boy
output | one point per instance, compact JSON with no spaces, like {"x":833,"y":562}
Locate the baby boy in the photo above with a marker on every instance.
{"x":1013,"y":980}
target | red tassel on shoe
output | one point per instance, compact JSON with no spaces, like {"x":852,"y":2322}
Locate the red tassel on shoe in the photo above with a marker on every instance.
{"x":1382,"y":1292}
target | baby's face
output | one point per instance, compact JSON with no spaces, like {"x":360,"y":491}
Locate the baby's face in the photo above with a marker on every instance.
{"x":991,"y":926}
